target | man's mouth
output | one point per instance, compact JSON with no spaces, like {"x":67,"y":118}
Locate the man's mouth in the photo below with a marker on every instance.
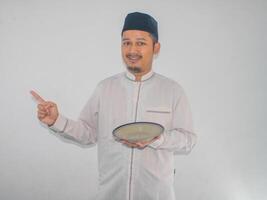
{"x":133,"y":58}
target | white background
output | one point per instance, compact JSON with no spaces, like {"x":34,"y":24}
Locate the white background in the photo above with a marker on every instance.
{"x":215,"y":49}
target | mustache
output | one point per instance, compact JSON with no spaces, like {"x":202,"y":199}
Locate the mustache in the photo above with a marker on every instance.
{"x":133,"y":55}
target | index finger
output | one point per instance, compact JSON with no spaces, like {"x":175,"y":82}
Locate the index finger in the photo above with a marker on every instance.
{"x":38,"y":98}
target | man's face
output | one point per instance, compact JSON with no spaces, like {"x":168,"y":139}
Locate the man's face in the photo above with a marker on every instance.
{"x":137,"y":51}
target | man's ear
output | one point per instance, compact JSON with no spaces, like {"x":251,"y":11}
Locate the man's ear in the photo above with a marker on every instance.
{"x":156,"y":48}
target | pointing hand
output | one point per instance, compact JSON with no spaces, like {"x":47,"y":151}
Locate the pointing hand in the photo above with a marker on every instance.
{"x":47,"y":110}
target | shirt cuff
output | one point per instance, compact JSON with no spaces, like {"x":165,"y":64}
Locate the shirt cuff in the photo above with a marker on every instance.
{"x":60,"y":124}
{"x":157,"y":142}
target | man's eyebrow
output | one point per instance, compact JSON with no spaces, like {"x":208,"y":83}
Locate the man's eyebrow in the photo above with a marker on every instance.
{"x":141,"y":39}
{"x":124,"y":39}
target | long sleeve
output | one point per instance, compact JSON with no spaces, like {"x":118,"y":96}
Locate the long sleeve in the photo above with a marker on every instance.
{"x":83,"y":130}
{"x":181,"y":138}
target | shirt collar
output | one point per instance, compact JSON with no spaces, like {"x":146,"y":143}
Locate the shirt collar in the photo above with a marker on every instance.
{"x":145,"y":77}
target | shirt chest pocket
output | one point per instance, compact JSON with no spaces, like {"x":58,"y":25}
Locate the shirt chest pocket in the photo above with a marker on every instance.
{"x":160,"y":115}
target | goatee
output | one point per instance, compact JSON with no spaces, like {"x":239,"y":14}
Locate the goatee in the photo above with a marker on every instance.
{"x":134,"y":69}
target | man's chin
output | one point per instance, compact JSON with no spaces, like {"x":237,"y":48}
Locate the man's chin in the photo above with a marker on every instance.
{"x":134,"y":69}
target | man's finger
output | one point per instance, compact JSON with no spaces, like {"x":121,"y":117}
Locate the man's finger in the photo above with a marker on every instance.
{"x":37,"y":97}
{"x":41,"y":116}
{"x":41,"y":107}
{"x":142,"y":144}
{"x":128,"y":143}
{"x":43,"y":112}
{"x":48,"y":105}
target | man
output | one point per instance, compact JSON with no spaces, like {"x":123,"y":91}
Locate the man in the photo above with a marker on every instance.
{"x":127,"y":170}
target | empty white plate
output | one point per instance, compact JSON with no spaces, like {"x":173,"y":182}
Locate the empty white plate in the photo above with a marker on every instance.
{"x":138,"y":131}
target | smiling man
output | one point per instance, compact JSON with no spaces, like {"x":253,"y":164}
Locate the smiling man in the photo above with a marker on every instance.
{"x":138,"y":49}
{"x":139,"y":43}
{"x":131,"y":170}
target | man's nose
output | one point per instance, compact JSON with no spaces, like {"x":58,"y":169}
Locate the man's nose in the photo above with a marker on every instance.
{"x":133,"y":49}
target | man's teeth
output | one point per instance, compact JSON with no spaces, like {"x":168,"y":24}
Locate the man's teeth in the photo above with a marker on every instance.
{"x":134,"y":58}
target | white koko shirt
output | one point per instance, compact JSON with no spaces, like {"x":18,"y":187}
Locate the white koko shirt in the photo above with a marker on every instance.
{"x":129,"y":173}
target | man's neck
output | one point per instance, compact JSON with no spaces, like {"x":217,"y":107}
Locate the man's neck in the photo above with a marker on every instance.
{"x":138,"y":76}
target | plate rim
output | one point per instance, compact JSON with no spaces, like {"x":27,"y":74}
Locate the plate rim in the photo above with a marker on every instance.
{"x":141,"y":122}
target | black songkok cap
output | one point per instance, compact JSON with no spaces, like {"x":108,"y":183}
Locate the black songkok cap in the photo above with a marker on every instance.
{"x":142,"y":22}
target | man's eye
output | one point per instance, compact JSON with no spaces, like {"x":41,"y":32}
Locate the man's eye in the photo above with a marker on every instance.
{"x":126,"y":43}
{"x":141,"y":43}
